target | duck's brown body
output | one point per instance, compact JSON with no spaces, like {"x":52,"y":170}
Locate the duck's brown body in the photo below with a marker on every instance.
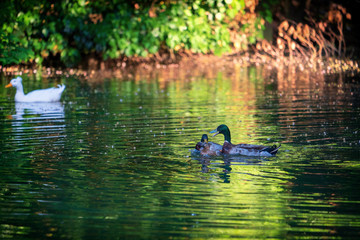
{"x":243,"y":149}
{"x":208,"y":148}
{"x":248,"y":149}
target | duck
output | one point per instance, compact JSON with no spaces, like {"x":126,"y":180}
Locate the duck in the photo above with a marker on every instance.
{"x":41,"y":95}
{"x":243,"y":149}
{"x":207,"y":148}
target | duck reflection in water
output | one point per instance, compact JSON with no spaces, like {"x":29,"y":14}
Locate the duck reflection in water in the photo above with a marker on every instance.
{"x":27,"y":111}
{"x":222,"y":168}
{"x":221,"y":171}
{"x":38,"y":117}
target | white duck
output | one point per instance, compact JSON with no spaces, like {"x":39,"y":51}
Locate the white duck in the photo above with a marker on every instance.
{"x":42,"y":95}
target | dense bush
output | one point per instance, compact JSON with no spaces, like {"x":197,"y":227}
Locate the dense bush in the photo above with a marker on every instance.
{"x":69,"y":30}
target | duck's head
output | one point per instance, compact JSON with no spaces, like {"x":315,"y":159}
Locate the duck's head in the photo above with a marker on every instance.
{"x":200,"y":145}
{"x":204,"y":138}
{"x":16,"y":82}
{"x":223,"y":129}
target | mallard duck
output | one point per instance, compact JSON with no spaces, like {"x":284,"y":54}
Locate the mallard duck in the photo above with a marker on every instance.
{"x":208,"y":148}
{"x":243,"y":149}
{"x":42,"y":95}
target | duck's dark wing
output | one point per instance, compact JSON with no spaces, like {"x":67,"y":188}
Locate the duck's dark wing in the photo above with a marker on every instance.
{"x":272,"y":150}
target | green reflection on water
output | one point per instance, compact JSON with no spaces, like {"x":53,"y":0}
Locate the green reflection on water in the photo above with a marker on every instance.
{"x":115,"y":161}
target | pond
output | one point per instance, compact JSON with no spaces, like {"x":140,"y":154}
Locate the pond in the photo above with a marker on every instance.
{"x":113,"y":160}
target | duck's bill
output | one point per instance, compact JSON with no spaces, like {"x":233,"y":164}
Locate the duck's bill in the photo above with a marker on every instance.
{"x":9,"y":85}
{"x":215,"y":131}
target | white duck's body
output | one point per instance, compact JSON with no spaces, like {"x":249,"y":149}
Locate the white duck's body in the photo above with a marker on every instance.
{"x":42,"y":95}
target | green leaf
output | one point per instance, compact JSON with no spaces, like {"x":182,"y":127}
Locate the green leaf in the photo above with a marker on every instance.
{"x":153,"y":49}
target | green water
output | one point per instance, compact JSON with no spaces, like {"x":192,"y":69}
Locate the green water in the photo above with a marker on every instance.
{"x":113,"y":161}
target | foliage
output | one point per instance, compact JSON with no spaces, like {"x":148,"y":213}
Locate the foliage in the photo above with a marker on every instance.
{"x":11,"y":52}
{"x":324,"y":37}
{"x":73,"y":29}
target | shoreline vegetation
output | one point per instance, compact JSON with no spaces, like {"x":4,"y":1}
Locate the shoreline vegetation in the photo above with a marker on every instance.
{"x":191,"y":67}
{"x":112,"y":38}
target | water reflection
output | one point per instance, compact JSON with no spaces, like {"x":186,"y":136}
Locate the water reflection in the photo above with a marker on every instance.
{"x":38,"y":121}
{"x":223,"y":166}
{"x":114,"y":160}
{"x":38,"y":111}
